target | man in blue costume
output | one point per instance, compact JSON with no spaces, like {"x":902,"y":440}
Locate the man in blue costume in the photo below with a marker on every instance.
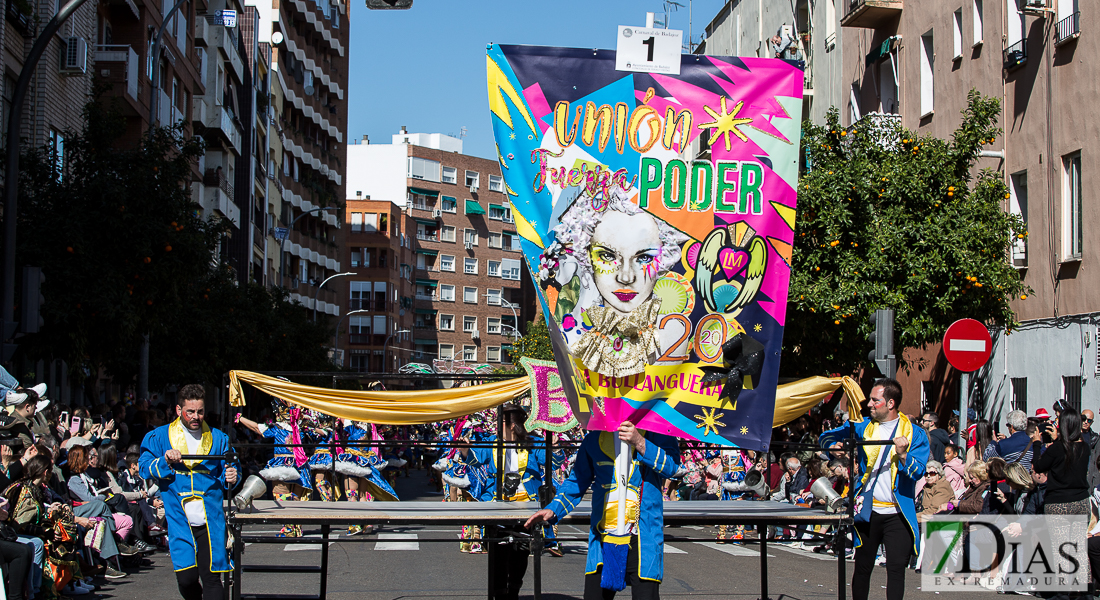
{"x":890,"y":474}
{"x":193,"y":491}
{"x":523,"y":475}
{"x":656,"y":458}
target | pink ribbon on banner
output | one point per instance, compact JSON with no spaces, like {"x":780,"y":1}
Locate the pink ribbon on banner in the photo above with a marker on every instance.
{"x":296,"y":438}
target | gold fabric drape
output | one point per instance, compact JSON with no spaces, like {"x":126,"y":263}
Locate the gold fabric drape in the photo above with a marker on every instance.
{"x":792,"y":400}
{"x":384,"y":408}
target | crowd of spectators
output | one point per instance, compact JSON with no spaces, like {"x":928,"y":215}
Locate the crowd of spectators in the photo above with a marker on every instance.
{"x":73,"y":509}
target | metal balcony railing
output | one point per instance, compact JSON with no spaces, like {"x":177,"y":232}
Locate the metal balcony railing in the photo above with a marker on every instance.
{"x":1068,"y":28}
{"x":1015,"y":56}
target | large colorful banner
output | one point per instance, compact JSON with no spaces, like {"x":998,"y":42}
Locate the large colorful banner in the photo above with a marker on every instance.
{"x":657,"y":217}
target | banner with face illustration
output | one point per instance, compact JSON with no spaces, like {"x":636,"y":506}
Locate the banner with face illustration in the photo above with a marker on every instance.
{"x":656,"y":213}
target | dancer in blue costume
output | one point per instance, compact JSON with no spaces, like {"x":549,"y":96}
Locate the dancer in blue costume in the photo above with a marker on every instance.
{"x":733,"y":488}
{"x":362,"y":468}
{"x":288,"y":470}
{"x":656,"y":457}
{"x":193,"y":491}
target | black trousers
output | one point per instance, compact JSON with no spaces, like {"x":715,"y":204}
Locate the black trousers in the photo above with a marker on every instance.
{"x":16,"y":559}
{"x":1094,"y":556}
{"x":198,"y":583}
{"x":892,"y":532}
{"x":640,"y":589}
{"x":508,"y":562}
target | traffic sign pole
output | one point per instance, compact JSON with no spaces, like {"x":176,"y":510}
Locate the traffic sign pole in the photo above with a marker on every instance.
{"x":967,"y":346}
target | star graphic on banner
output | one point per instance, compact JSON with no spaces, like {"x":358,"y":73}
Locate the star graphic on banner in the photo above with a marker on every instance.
{"x":725,"y":123}
{"x":757,"y":328}
{"x":709,"y":421}
{"x":511,"y":136}
{"x":744,"y":430}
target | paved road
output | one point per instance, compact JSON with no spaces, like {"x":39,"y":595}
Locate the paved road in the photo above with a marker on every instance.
{"x":395,"y":564}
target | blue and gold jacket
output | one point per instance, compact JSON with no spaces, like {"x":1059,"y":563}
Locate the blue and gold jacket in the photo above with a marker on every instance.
{"x":189,"y":479}
{"x":904,"y":474}
{"x":532,"y":467}
{"x":595,"y":464}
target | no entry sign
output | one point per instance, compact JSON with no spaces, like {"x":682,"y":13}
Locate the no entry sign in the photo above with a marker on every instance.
{"x":967,"y":345}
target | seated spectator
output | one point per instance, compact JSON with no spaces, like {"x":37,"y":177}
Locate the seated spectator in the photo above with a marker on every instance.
{"x":937,"y":495}
{"x":138,"y":509}
{"x":1021,"y":485}
{"x":973,"y":500}
{"x":16,"y":559}
{"x":85,"y":490}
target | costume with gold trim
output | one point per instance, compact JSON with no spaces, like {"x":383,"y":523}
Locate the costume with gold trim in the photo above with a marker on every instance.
{"x":904,"y":474}
{"x":189,"y":479}
{"x":595,"y":468}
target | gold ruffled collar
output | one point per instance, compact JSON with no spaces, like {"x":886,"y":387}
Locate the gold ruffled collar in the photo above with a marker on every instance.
{"x":619,"y":345}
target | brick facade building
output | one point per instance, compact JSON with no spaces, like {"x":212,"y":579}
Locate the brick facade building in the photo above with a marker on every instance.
{"x":470,"y":297}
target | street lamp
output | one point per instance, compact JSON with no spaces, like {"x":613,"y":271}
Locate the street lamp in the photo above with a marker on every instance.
{"x":282,"y":241}
{"x":336,"y":337}
{"x":385,"y":347}
{"x":509,"y":305}
{"x":318,"y":291}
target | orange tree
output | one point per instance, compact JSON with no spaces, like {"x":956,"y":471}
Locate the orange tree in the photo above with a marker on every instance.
{"x":890,"y":219}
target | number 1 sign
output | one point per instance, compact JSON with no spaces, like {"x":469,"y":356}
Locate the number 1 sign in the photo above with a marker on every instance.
{"x":645,"y":50}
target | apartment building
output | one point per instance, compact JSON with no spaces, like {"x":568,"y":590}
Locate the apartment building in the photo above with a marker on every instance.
{"x":305,"y":147}
{"x":378,"y":248}
{"x":919,"y":60}
{"x":804,"y":31}
{"x":469,"y":295}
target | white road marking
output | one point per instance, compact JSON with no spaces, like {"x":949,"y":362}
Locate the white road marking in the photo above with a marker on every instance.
{"x":670,"y":549}
{"x":403,"y":545}
{"x":803,"y":553}
{"x":732,"y":549}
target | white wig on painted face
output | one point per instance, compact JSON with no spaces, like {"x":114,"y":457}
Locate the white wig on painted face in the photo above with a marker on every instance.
{"x":569,"y":254}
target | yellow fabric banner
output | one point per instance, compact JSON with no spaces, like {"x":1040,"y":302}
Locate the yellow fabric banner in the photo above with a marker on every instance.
{"x":792,"y":400}
{"x":384,"y":408}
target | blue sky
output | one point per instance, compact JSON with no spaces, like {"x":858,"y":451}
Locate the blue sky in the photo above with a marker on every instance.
{"x":424,"y":68}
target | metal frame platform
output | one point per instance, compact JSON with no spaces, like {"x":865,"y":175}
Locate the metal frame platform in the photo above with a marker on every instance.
{"x":327,"y":514}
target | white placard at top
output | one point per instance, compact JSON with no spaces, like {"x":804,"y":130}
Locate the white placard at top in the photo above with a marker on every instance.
{"x":646,"y":50}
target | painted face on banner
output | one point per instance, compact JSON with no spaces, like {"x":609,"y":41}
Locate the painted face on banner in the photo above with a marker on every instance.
{"x":624,"y":253}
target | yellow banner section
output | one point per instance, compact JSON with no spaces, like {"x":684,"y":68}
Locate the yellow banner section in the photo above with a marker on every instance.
{"x":792,"y":400}
{"x":384,"y":408}
{"x":678,"y":383}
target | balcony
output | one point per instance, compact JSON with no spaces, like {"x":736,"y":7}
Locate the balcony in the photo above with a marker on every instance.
{"x":427,"y":297}
{"x":427,"y":238}
{"x":202,"y":32}
{"x":227,"y":43}
{"x":222,"y":203}
{"x":220,"y":121}
{"x":1016,"y":55}
{"x":1068,"y":29}
{"x":871,"y":14}
{"x":125,"y":60}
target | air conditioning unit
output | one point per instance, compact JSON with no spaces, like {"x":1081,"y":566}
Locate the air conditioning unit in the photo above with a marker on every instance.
{"x":469,"y":245}
{"x":1036,"y":3}
{"x":473,"y":189}
{"x":74,"y":56}
{"x":438,"y":213}
{"x":475,"y":334}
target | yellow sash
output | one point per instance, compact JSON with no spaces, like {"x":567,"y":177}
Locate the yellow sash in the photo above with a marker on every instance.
{"x":176,"y":436}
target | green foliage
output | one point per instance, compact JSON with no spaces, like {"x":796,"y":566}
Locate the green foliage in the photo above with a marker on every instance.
{"x":887,"y":219}
{"x":125,"y":252}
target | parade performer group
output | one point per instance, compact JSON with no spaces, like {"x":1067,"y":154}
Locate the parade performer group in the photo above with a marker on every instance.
{"x":295,"y":474}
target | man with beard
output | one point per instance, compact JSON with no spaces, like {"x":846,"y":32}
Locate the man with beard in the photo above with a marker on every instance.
{"x":193,"y":494}
{"x":886,"y":511}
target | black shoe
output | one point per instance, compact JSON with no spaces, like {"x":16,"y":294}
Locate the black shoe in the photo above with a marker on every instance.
{"x":141,"y":547}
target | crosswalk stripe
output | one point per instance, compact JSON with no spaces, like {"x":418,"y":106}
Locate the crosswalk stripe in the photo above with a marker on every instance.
{"x":670,"y":549}
{"x":403,"y":545}
{"x":804,"y":553}
{"x":732,"y":549}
